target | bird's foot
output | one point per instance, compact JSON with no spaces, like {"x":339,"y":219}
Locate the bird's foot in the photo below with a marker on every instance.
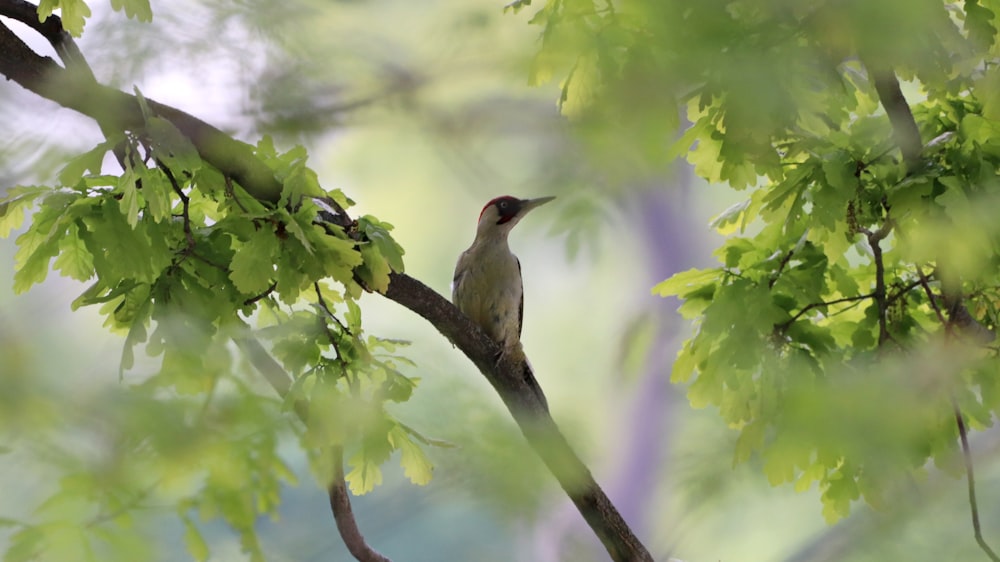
{"x":513,"y":353}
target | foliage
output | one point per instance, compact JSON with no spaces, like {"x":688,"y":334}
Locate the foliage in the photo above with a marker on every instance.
{"x":184,"y":262}
{"x":74,"y":13}
{"x":849,"y":282}
{"x":840,"y":328}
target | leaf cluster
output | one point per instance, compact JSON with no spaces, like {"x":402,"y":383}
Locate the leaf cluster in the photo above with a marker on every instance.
{"x":74,"y":13}
{"x":183,"y":262}
{"x":837,"y":330}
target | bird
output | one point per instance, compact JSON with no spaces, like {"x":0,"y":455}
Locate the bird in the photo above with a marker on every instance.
{"x":487,"y":286}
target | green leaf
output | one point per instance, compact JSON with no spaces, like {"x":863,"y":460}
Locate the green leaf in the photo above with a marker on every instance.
{"x":12,"y":206}
{"x":338,"y":255}
{"x":979,"y":130}
{"x":74,"y":13}
{"x":516,"y":6}
{"x":25,"y":545}
{"x":397,"y":387}
{"x":74,"y":260}
{"x":580,"y":90}
{"x":353,"y":316}
{"x":988,"y":92}
{"x":839,"y":169}
{"x":90,"y":161}
{"x":128,"y":186}
{"x":300,"y":182}
{"x":751,"y":439}
{"x":136,"y":334}
{"x":727,"y":221}
{"x":298,"y":227}
{"x":416,"y":466}
{"x":841,"y":490}
{"x":157,"y":193}
{"x":40,"y":243}
{"x":378,"y":233}
{"x":364,"y":476}
{"x":375,"y":270}
{"x":252,"y":268}
{"x":979,"y":24}
{"x":685,"y":282}
{"x":171,"y":146}
{"x":138,"y":9}
{"x":194,"y":541}
{"x":123,"y":252}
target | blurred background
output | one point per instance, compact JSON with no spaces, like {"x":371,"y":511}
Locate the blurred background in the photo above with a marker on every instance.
{"x":421,"y":112}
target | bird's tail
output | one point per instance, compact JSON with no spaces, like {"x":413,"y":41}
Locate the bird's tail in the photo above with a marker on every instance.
{"x":531,"y":381}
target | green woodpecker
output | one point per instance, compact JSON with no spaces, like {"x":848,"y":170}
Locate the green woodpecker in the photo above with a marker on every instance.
{"x":487,"y":286}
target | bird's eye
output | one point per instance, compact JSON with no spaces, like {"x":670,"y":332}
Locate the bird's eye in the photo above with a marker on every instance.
{"x":503,"y":205}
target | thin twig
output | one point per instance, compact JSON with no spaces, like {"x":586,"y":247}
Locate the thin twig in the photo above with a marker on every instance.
{"x":933,"y":300}
{"x":781,"y":267}
{"x":874,"y":240}
{"x":970,"y":479}
{"x":133,"y":504}
{"x":963,"y":434}
{"x":784,"y":325}
{"x":185,"y":205}
{"x":231,"y":193}
{"x":265,"y":294}
{"x":207,"y":261}
{"x":902,"y":291}
{"x":334,"y":340}
{"x":328,"y":310}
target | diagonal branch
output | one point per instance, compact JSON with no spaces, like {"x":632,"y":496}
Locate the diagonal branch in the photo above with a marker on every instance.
{"x":904,"y":126}
{"x":52,"y":30}
{"x":115,"y":110}
{"x":529,"y":412}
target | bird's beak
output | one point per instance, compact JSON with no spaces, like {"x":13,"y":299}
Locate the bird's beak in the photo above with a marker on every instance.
{"x":529,"y":204}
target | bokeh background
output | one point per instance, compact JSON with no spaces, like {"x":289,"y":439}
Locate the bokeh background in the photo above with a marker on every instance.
{"x":421,"y":112}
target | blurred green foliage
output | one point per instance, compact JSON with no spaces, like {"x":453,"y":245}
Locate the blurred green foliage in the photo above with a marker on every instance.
{"x":825,"y":337}
{"x":846,"y":261}
{"x":175,"y":247}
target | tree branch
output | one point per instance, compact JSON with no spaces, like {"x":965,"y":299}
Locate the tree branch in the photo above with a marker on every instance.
{"x":52,"y":30}
{"x":340,"y":503}
{"x":874,"y":240}
{"x":907,"y":135}
{"x":117,"y":111}
{"x":529,"y":411}
{"x":970,"y":480}
{"x":787,"y":323}
{"x":904,"y":126}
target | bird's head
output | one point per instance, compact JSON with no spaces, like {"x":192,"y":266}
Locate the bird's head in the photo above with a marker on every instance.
{"x":500,"y":215}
